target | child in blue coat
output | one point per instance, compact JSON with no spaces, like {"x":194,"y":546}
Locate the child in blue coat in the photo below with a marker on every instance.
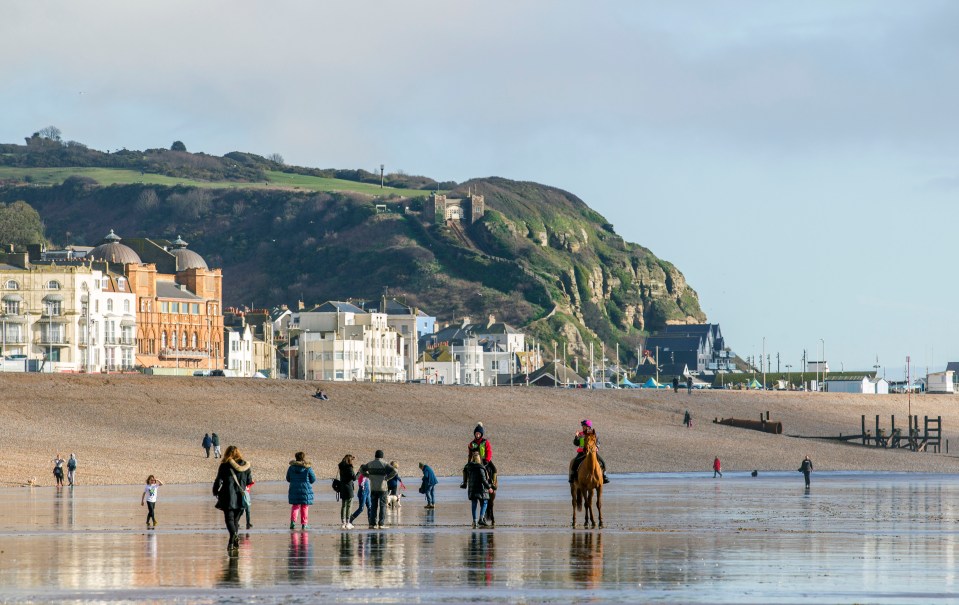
{"x":301,"y":477}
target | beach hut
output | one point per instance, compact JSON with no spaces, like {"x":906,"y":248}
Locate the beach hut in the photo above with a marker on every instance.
{"x":754,"y":384}
{"x":940,"y":382}
{"x":859,"y":383}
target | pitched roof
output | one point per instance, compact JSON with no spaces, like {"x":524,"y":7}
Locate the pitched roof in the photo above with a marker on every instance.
{"x":336,"y":306}
{"x":169,"y":289}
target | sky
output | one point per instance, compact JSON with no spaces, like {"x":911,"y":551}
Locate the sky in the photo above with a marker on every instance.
{"x":796,"y":161}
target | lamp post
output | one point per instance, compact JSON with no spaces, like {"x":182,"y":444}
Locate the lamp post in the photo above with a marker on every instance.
{"x":788,"y":376}
{"x":764,"y":367}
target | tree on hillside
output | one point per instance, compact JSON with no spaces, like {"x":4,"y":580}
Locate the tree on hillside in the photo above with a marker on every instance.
{"x":275,"y":157}
{"x":20,"y":225}
{"x":45,"y":137}
{"x":147,"y":201}
{"x":177,"y":146}
{"x":50,"y":132}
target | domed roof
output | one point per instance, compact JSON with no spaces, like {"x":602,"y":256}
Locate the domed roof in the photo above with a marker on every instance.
{"x":112,"y":251}
{"x":186,"y":259}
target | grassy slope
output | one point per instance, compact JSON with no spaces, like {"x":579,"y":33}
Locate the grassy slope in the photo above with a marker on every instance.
{"x":113,"y":176}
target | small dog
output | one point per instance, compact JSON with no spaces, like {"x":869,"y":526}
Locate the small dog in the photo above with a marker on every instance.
{"x":32,"y":482}
{"x":393,"y":501}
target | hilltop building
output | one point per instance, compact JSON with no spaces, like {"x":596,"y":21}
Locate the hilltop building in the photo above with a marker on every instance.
{"x":438,"y":208}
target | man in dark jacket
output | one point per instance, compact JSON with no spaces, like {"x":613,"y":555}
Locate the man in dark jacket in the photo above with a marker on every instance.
{"x":806,"y":469}
{"x":207,"y":444}
{"x":379,"y":473}
{"x":429,"y":485}
{"x":215,"y":441}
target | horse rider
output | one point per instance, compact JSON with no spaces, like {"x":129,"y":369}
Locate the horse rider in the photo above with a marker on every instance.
{"x":482,"y":446}
{"x":580,"y":442}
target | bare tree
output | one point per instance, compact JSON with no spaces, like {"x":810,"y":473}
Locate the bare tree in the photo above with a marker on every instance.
{"x":50,"y":132}
{"x":276,"y":158}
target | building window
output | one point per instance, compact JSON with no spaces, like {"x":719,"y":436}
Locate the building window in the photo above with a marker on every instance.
{"x":193,"y":341}
{"x":174,"y":307}
{"x":12,"y":285}
{"x":162,"y":340}
{"x":51,"y":307}
{"x":53,"y":285}
{"x":164,"y":307}
{"x":11,"y":307}
{"x":126,"y":306}
{"x":183,"y":340}
{"x":195,"y":308}
{"x":109,"y":304}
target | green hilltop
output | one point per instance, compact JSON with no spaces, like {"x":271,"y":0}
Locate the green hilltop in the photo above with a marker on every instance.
{"x":539,"y":258}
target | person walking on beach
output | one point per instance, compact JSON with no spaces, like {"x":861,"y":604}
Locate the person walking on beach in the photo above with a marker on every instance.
{"x":675,"y":384}
{"x":717,"y":468}
{"x":362,"y":498}
{"x":579,"y":440}
{"x":478,"y":488}
{"x":806,"y":468}
{"x":58,"y":469}
{"x":428,"y":487}
{"x":72,"y":470}
{"x":481,"y":445}
{"x":149,"y":497}
{"x":688,"y":420}
{"x":301,"y":477}
{"x":215,"y":441}
{"x":347,"y":477}
{"x":378,"y":472}
{"x":394,"y":484}
{"x":207,"y":443}
{"x":229,"y":487}
{"x":689,"y":385}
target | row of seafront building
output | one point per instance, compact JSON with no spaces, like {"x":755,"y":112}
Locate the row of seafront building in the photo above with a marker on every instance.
{"x":155,"y":305}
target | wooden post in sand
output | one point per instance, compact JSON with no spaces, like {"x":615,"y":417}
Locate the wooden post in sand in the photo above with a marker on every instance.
{"x":864,"y":429}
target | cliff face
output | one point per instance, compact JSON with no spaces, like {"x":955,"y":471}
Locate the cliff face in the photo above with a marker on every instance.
{"x":540,"y":258}
{"x":602,"y":287}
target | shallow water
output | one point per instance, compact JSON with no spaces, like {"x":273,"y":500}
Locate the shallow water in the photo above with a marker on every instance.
{"x":854,"y":537}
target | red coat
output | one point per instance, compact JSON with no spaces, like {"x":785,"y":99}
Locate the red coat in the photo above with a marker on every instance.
{"x":483,"y":446}
{"x":716,"y":465}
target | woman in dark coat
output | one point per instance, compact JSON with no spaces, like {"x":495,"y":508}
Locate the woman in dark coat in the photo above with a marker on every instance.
{"x":478,"y":487}
{"x":229,"y":487}
{"x":347,"y":477}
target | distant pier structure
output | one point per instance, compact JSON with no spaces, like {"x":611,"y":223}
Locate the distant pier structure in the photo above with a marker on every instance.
{"x":438,"y":209}
{"x":928,"y":439}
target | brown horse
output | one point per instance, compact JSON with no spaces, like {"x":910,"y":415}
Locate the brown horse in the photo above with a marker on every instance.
{"x":589,"y":478}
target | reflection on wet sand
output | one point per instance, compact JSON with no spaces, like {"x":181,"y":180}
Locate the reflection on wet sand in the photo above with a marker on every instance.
{"x":586,"y":558}
{"x":299,"y":557}
{"x":875,"y":538}
{"x":480,"y":558}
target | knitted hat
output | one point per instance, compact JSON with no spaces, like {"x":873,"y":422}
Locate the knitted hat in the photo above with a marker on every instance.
{"x":479,"y":429}
{"x":587,"y":423}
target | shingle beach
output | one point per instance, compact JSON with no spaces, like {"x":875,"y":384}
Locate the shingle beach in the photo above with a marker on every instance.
{"x":124,"y":427}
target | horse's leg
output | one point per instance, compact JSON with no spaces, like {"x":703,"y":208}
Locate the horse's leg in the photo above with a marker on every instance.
{"x":574,"y":496}
{"x":589,"y":508}
{"x":599,"y":504}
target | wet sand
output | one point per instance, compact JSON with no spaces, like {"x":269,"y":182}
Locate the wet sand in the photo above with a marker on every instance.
{"x":125,"y":427}
{"x":852,"y":538}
